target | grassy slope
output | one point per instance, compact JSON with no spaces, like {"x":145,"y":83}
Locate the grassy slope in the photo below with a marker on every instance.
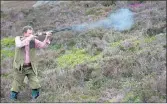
{"x":98,"y":65}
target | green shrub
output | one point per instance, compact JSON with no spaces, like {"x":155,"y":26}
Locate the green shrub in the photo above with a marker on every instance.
{"x":131,"y":97}
{"x":7,"y":53}
{"x":7,"y":47}
{"x":93,"y":11}
{"x":55,"y":46}
{"x":98,"y":32}
{"x":133,"y":43}
{"x":115,"y":44}
{"x":108,"y":3}
{"x":74,"y":57}
{"x":149,"y":39}
{"x":8,"y":42}
{"x":3,"y":15}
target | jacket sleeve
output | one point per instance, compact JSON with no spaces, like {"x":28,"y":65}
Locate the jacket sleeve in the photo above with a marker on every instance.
{"x":20,"y":43}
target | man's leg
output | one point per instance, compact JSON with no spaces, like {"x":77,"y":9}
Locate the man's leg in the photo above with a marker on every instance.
{"x":17,"y":84}
{"x":34,"y":84}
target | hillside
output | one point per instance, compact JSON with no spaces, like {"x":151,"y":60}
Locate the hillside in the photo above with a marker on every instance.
{"x":115,"y":51}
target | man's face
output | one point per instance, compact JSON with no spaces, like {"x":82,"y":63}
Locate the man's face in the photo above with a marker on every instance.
{"x":28,"y":33}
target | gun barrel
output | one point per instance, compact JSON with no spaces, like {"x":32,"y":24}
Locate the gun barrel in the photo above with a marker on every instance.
{"x":54,"y":31}
{"x":62,"y":29}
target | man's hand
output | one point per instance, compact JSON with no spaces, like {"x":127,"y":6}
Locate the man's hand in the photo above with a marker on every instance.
{"x":31,"y":37}
{"x":48,"y":35}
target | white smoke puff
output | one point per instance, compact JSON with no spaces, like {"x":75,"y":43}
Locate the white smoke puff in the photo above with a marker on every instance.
{"x":121,"y":20}
{"x":81,"y":27}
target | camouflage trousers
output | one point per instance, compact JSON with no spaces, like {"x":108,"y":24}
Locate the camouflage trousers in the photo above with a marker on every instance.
{"x":18,"y":82}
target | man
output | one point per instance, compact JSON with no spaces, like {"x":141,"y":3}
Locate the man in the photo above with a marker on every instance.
{"x":25,"y":61}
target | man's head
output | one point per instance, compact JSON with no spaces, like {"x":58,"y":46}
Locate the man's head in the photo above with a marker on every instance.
{"x":27,"y":31}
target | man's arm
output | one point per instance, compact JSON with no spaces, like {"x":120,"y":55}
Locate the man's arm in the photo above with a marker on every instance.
{"x":19,"y":43}
{"x":45,"y":43}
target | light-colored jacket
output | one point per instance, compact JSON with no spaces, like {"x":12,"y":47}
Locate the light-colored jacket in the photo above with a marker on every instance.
{"x":20,"y":53}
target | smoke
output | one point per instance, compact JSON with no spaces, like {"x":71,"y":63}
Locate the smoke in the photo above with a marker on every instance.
{"x":121,"y":20}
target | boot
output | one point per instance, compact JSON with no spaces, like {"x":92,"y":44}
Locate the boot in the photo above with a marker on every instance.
{"x":13,"y":95}
{"x":35,"y":93}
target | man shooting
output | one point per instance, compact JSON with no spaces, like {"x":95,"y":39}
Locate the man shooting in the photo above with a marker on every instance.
{"x":25,"y":61}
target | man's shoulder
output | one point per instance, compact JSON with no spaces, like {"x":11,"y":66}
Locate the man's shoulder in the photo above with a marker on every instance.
{"x":19,"y":37}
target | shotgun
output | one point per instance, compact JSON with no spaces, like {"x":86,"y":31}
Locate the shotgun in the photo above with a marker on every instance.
{"x":54,"y":31}
{"x":32,"y":42}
